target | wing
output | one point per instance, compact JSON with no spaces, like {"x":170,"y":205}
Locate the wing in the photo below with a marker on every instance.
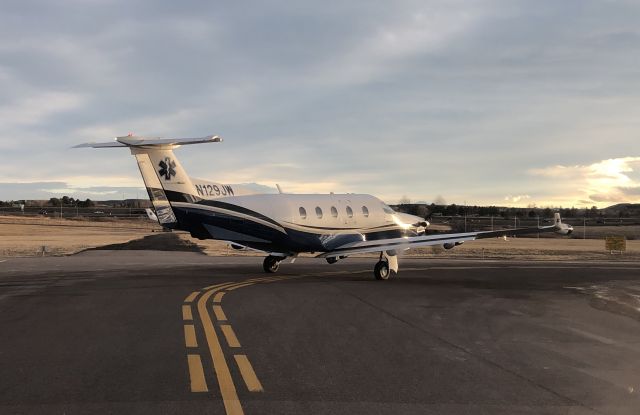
{"x":400,"y":244}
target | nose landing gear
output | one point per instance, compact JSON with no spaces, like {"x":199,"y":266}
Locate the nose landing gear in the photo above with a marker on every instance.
{"x":388,"y":262}
{"x":271,"y":264}
{"x":381,"y":270}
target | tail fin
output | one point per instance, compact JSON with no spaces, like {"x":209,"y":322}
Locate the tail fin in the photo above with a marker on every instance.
{"x":161,"y":171}
{"x":561,"y":228}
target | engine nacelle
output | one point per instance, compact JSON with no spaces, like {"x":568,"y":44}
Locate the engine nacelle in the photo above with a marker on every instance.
{"x":450,"y":245}
{"x":334,"y":259}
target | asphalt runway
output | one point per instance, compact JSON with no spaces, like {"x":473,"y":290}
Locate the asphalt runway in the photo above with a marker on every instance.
{"x":143,"y":332}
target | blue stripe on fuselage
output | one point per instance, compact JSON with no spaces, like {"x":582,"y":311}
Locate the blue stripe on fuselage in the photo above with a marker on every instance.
{"x":192,"y":219}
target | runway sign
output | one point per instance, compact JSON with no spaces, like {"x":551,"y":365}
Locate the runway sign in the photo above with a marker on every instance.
{"x":615,"y":243}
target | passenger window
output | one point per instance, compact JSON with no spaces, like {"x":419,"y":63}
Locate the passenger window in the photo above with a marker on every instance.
{"x":365,"y":211}
{"x":334,"y":212}
{"x":303,"y":212}
{"x":319,"y":212}
{"x":349,"y":212}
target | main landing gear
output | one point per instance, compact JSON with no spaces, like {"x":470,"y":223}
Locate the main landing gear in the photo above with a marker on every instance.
{"x":271,"y":264}
{"x":382,"y":271}
{"x":388,"y":262}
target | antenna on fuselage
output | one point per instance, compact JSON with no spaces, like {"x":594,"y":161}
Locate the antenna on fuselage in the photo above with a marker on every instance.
{"x":279,"y":189}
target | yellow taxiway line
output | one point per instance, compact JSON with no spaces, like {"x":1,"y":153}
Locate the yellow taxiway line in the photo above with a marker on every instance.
{"x":225,"y":382}
{"x":196,"y":374}
{"x":249,"y":376}
{"x":191,"y":296}
{"x":220,"y":316}
{"x":235,"y":287}
{"x":190,"y":335}
{"x":186,"y":312}
{"x":218,"y":297}
{"x":221,"y":368}
{"x":232,"y":340}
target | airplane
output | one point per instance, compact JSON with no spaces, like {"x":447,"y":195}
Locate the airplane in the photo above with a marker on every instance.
{"x":283,"y":225}
{"x":151,"y":214}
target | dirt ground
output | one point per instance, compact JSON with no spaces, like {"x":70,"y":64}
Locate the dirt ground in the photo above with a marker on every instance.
{"x":28,"y":236}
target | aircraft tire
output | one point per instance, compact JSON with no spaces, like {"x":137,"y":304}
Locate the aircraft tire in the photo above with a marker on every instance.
{"x":271,"y":264}
{"x":381,"y":270}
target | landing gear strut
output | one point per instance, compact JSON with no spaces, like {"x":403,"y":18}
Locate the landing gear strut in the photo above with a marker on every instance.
{"x":271,"y":264}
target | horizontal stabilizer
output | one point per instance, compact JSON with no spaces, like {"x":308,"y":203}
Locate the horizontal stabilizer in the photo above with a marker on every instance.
{"x":101,"y":145}
{"x":136,"y":141}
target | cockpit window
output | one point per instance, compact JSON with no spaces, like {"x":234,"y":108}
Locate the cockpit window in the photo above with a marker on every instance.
{"x":387,"y":209}
{"x":303,"y":212}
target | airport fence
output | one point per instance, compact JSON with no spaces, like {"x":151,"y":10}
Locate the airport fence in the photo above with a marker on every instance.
{"x":74,"y":211}
{"x":583,"y":227}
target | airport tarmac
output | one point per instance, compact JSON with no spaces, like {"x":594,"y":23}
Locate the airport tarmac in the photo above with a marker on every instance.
{"x":144,"y":332}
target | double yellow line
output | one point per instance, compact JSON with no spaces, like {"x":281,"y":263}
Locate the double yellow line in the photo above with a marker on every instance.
{"x":223,"y":374}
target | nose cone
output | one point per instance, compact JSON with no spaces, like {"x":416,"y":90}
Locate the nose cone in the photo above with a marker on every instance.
{"x":409,"y":219}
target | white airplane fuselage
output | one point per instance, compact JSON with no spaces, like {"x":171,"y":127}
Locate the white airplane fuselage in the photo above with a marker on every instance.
{"x":293,"y":223}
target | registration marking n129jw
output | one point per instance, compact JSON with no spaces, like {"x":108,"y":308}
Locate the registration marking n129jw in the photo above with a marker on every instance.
{"x":214,"y":190}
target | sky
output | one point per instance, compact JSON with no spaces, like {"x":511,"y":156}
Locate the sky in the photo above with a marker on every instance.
{"x":510,"y":102}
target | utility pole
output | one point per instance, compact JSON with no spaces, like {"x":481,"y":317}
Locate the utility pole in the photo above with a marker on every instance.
{"x":538,"y":217}
{"x":584,"y":228}
{"x":465,"y":215}
{"x":491,"y":223}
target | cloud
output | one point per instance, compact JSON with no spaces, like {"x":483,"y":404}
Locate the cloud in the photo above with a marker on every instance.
{"x":630,"y":191}
{"x":516,"y":199}
{"x":415,"y":98}
{"x":613,"y":180}
{"x":36,"y":109}
{"x":72,"y":191}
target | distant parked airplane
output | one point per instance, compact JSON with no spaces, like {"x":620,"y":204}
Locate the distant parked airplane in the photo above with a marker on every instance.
{"x":283,"y":225}
{"x":151,"y":214}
